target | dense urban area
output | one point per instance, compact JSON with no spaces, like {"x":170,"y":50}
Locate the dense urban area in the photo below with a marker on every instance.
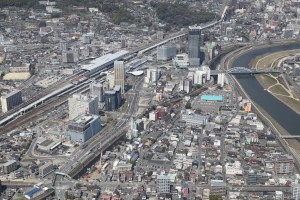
{"x":143,"y":99}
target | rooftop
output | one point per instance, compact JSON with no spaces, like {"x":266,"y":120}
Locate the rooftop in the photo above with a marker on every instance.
{"x":104,"y":60}
{"x":211,"y":98}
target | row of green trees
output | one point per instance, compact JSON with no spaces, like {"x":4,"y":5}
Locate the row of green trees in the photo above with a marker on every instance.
{"x":18,"y":3}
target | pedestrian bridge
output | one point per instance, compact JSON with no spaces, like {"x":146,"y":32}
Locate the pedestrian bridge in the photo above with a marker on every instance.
{"x":245,"y":70}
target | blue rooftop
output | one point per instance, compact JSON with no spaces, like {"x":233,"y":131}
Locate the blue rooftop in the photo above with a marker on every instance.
{"x":211,"y":98}
{"x":32,"y":192}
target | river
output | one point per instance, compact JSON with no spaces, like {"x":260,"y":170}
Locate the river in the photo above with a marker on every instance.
{"x":281,"y":113}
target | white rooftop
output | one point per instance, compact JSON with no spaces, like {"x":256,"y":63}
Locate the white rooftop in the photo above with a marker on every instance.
{"x":104,"y":60}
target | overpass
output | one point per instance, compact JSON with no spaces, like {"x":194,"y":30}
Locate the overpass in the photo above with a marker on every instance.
{"x":244,"y":70}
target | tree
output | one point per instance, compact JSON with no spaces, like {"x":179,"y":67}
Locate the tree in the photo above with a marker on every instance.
{"x":215,"y":197}
{"x":188,"y":105}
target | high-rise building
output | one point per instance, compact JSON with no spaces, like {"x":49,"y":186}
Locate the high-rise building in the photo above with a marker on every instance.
{"x":221,"y":79}
{"x":96,"y":89}
{"x":119,"y":69}
{"x":63,"y":45}
{"x":11,"y":100}
{"x":80,"y":104}
{"x":165,"y":53}
{"x":199,"y":77}
{"x":83,"y":128}
{"x":113,"y":99}
{"x":194,"y":46}
{"x":153,"y":74}
{"x":163,"y":184}
{"x":123,"y":43}
{"x":187,"y":85}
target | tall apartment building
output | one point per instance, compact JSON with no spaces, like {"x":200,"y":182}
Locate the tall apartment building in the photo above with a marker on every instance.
{"x":284,"y":164}
{"x":80,"y":104}
{"x":221,"y":79}
{"x":163,"y":184}
{"x":96,"y":89}
{"x":194,"y":46}
{"x":11,"y":100}
{"x":119,"y":69}
{"x":296,"y":190}
{"x":153,"y":74}
{"x":83,"y":128}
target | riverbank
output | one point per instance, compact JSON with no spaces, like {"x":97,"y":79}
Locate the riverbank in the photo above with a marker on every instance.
{"x":275,"y":84}
{"x":270,"y":107}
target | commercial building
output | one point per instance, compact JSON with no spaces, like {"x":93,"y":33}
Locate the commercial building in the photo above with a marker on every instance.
{"x":80,"y":104}
{"x":119,"y":69}
{"x":104,"y":61}
{"x":9,"y":166}
{"x":11,"y":100}
{"x":218,"y":187}
{"x":96,"y":89}
{"x":181,"y":60}
{"x":83,"y":128}
{"x":194,"y":46}
{"x":69,"y":56}
{"x":153,"y":75}
{"x":165,"y":53}
{"x":190,"y":117}
{"x":284,"y":164}
{"x":163,"y":184}
{"x":46,"y":169}
{"x":33,"y":193}
{"x":217,"y":98}
{"x":21,"y":68}
{"x":113,"y":99}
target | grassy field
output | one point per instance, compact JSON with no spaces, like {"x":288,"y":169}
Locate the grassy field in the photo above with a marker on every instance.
{"x":278,"y":89}
{"x":292,"y":103}
{"x":266,"y":80}
{"x":271,"y":60}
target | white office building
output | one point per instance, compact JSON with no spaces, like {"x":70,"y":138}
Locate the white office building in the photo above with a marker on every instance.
{"x":181,"y":60}
{"x":194,"y":119}
{"x":11,"y":100}
{"x":80,"y":104}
